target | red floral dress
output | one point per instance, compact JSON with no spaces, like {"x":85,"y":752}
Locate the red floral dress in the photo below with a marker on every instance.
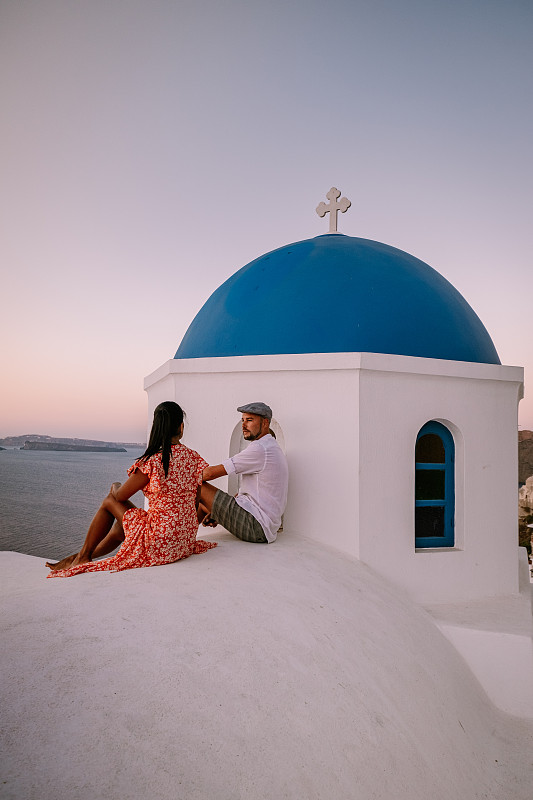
{"x":167,"y":531}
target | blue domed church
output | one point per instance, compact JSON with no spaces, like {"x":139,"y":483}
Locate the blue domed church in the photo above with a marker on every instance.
{"x":398,"y":419}
{"x":338,"y":294}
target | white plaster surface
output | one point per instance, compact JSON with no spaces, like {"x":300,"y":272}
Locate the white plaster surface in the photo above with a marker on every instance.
{"x":248,"y":673}
{"x":495,"y":637}
{"x":349,"y":423}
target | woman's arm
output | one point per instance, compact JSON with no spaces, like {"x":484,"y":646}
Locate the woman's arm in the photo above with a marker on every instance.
{"x":137,"y":481}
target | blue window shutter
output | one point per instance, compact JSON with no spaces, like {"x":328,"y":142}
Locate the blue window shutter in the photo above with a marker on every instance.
{"x":434,"y":487}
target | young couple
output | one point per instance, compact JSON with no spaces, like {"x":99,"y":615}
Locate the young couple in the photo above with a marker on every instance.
{"x":174,"y":479}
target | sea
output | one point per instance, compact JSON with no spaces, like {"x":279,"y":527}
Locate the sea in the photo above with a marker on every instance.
{"x":48,"y":499}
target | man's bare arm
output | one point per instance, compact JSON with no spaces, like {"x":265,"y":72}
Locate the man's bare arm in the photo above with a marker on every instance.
{"x":210,"y":473}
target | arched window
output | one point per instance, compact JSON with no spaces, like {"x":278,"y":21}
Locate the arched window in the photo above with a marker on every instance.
{"x":434,"y":487}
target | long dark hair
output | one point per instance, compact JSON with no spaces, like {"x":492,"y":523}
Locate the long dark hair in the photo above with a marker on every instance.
{"x":168,"y":417}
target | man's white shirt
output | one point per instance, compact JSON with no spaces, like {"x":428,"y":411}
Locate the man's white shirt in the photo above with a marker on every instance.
{"x":264,"y":479}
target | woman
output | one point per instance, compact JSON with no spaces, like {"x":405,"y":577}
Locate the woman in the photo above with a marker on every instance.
{"x":169,"y":474}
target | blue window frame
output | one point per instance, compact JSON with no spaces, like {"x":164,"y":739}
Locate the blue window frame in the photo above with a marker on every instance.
{"x":434,"y":487}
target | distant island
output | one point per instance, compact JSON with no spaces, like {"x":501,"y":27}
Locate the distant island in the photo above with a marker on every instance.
{"x":71,"y":448}
{"x":54,"y":442}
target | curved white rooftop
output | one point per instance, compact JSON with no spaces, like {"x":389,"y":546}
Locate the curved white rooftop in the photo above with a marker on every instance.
{"x":283,"y":671}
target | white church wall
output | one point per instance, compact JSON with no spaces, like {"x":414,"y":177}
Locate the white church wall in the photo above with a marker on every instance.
{"x":314,"y":400}
{"x":478,"y":403}
{"x":350,"y":423}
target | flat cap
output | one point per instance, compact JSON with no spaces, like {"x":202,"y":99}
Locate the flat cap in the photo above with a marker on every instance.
{"x":261,"y":409}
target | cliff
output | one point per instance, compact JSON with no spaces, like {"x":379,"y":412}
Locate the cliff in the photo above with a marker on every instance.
{"x":525,"y":455}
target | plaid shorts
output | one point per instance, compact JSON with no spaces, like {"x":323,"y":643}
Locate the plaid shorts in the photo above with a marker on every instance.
{"x":227,"y":512}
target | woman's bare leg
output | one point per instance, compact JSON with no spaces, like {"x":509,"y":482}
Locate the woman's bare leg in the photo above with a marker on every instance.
{"x":114,"y":539}
{"x":201,"y":512}
{"x":100,"y":532}
{"x":204,"y":503}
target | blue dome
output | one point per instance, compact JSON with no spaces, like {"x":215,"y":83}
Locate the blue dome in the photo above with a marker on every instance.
{"x":335,"y":294}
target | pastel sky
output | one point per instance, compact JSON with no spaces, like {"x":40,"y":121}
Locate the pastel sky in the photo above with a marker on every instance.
{"x":150,"y":148}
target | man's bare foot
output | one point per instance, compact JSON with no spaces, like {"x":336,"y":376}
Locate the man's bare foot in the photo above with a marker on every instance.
{"x":65,"y":563}
{"x":209,"y":522}
{"x":115,"y":487}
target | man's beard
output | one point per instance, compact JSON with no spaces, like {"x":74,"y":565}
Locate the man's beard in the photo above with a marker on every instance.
{"x":250,"y":437}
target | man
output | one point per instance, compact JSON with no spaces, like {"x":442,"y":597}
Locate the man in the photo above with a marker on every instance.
{"x":254,"y":515}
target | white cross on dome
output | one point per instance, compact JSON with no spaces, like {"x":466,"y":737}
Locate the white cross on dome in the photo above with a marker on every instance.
{"x":333,"y":207}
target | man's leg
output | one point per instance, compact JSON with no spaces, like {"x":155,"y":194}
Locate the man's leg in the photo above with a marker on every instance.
{"x":223,"y":508}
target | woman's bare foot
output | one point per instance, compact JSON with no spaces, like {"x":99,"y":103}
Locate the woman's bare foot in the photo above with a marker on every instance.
{"x":79,"y":559}
{"x":65,"y":563}
{"x":70,"y":561}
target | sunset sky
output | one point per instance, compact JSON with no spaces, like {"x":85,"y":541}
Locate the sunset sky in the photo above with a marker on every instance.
{"x":150,"y":148}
